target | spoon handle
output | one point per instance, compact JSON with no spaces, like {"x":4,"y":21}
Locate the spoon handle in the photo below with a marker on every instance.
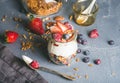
{"x":56,"y":72}
{"x":89,"y":8}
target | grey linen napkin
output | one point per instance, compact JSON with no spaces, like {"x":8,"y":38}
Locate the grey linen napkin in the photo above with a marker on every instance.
{"x":14,"y":70}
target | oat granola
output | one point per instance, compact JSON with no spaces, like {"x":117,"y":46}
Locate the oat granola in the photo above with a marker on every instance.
{"x":40,"y":7}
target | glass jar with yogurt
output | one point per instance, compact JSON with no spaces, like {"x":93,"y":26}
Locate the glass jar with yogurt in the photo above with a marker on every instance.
{"x":42,"y":8}
{"x":63,"y":52}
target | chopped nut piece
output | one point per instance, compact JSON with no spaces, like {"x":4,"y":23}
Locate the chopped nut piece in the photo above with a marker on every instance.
{"x":86,"y":76}
{"x":75,"y":74}
{"x":24,"y":36}
{"x":71,"y":17}
{"x":17,"y":19}
{"x":49,"y":24}
{"x":90,"y":65}
{"x":77,"y":60}
{"x":113,"y":73}
{"x":30,"y":37}
{"x":47,"y":32}
{"x":79,"y":76}
{"x":29,"y":33}
{"x":46,"y":19}
{"x":3,"y":19}
{"x":59,"y":18}
{"x":26,"y":45}
{"x":68,"y":65}
{"x":28,"y":15}
{"x":49,"y":61}
{"x":17,"y":26}
{"x":76,"y":69}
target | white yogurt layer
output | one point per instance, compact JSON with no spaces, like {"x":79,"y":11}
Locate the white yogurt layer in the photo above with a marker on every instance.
{"x":63,"y":49}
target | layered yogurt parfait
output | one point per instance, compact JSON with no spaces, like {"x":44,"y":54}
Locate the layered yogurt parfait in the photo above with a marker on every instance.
{"x":62,"y":45}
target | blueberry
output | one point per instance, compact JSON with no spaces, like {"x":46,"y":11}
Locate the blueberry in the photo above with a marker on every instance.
{"x":79,"y":41}
{"x":80,"y":36}
{"x":84,"y":42}
{"x":86,"y":52}
{"x":86,"y":59}
{"x":66,"y":36}
{"x":79,"y":51}
{"x":111,"y":42}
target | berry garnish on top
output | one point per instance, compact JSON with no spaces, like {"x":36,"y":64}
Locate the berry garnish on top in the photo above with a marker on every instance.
{"x":66,"y":36}
{"x":57,"y":37}
{"x":56,"y":29}
{"x":62,"y":26}
{"x":61,"y":32}
{"x":67,"y":24}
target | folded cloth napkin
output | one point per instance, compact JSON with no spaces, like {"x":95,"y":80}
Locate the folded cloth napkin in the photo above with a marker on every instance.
{"x":14,"y":70}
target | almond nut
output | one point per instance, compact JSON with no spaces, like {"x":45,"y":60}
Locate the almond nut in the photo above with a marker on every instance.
{"x":59,"y":18}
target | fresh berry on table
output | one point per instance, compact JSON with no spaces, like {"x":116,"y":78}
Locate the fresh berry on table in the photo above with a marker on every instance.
{"x":79,"y":41}
{"x":11,"y":36}
{"x":83,"y":41}
{"x":86,"y":52}
{"x":94,"y":33}
{"x":34,"y":64}
{"x":111,"y":42}
{"x":97,"y":61}
{"x":36,"y":25}
{"x":79,"y":50}
{"x":86,"y":59}
{"x":80,"y":36}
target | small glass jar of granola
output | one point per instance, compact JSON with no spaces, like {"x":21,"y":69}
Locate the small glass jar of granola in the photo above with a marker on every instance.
{"x":42,"y":8}
{"x":62,"y":46}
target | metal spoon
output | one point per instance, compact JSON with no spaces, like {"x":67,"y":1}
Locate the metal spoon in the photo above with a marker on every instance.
{"x":47,"y":1}
{"x":89,"y":8}
{"x":85,"y":14}
{"x":28,"y":60}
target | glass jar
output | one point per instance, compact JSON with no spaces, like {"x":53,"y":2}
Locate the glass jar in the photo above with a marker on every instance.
{"x":84,"y":19}
{"x":62,"y":52}
{"x":42,"y":8}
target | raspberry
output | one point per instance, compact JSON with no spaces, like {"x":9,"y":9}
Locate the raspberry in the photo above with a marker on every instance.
{"x":93,"y":33}
{"x":34,"y":64}
{"x":97,"y":61}
{"x":57,"y":37}
{"x":67,"y":24}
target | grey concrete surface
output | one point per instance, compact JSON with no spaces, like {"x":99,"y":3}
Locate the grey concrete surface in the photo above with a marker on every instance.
{"x":108,"y":25}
